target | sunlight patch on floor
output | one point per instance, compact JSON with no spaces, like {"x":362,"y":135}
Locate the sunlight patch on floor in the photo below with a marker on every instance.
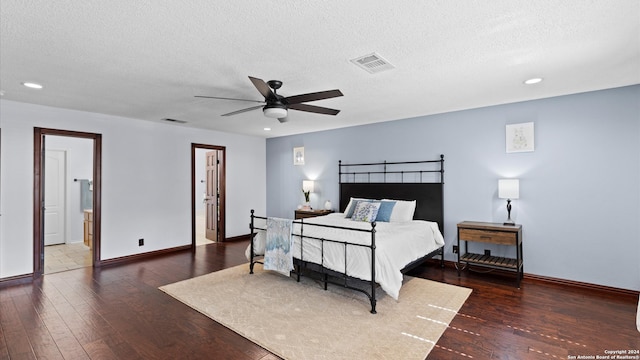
{"x":418,"y":338}
{"x":433,"y":320}
{"x":442,"y":308}
{"x":545,"y":353}
{"x":454,"y":351}
{"x":547,"y":336}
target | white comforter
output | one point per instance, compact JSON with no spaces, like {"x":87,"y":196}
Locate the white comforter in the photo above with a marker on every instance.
{"x":397,"y":244}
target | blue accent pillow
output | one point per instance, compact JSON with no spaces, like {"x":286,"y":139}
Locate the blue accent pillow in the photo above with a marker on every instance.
{"x":384,"y":213}
{"x":366,"y":211}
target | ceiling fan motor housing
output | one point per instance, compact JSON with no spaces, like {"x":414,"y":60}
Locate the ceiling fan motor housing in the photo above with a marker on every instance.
{"x":274,"y":84}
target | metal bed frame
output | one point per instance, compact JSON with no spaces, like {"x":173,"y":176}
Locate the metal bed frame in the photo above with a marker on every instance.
{"x":429,"y":206}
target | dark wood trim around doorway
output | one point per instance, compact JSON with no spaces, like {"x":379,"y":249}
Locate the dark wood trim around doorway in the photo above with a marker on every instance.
{"x":38,"y":192}
{"x":222,"y":185}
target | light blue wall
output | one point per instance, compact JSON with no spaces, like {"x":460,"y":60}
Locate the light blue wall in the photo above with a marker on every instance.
{"x":579,"y":190}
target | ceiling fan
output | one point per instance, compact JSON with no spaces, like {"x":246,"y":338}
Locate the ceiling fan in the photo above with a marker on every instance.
{"x":277,"y":106}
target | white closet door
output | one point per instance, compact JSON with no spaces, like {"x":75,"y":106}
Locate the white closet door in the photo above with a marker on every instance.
{"x":54,"y":197}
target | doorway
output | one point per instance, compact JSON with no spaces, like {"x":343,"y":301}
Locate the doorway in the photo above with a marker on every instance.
{"x":62,"y":201}
{"x":207,"y":194}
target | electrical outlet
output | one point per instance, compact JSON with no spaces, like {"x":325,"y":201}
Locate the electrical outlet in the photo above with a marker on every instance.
{"x":455,"y":249}
{"x":140,"y":242}
{"x":487,"y":252}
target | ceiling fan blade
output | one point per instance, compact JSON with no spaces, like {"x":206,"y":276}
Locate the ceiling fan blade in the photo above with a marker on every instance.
{"x":243,"y":110}
{"x":225,"y":98}
{"x":263,"y":88}
{"x":314,"y":109}
{"x":297,"y":99}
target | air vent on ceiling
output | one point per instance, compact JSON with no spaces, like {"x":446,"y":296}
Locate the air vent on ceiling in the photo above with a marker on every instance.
{"x":372,"y":63}
{"x":175,"y":121}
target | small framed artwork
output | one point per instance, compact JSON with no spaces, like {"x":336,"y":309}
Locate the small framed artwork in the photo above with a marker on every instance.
{"x":520,"y":137}
{"x":298,"y":155}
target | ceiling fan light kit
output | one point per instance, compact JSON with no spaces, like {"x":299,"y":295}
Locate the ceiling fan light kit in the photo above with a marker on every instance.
{"x":277,"y":106}
{"x":275,"y":111}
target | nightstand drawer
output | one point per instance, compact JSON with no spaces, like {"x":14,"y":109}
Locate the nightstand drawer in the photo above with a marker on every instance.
{"x":488,"y":236}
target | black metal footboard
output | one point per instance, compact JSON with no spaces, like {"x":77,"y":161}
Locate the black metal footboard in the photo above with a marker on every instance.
{"x":326,"y":275}
{"x":329,"y":276}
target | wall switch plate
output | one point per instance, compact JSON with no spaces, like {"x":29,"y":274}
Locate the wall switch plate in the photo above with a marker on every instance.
{"x":140,"y":242}
{"x":455,"y":249}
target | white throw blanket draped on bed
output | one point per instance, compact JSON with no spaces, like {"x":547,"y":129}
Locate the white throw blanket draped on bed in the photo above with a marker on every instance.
{"x":278,"y":256}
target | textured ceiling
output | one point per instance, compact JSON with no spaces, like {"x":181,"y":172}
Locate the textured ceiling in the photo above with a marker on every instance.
{"x":147,"y":59}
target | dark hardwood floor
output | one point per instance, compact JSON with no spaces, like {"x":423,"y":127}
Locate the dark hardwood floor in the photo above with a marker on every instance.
{"x":538,"y":321}
{"x":117,"y":312}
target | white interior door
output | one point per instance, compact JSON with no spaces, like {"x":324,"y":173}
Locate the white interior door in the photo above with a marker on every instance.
{"x":55,"y":168}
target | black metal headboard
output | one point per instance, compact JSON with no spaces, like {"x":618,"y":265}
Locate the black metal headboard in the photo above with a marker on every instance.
{"x":422,"y":181}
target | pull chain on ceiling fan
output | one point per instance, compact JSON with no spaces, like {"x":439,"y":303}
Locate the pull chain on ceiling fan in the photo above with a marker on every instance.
{"x":277,"y":106}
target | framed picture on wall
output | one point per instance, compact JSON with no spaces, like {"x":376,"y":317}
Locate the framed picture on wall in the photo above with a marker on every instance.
{"x":520,"y":137}
{"x":298,"y":155}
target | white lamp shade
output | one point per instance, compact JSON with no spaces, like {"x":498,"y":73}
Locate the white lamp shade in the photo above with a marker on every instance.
{"x":508,"y":188}
{"x":307,"y":185}
{"x":275,"y":112}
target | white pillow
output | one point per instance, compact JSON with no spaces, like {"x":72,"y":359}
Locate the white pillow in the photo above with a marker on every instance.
{"x":403,"y":210}
{"x":259,"y":242}
{"x":346,"y":209}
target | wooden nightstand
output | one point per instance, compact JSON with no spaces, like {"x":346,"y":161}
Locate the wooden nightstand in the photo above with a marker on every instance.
{"x":493,"y":233}
{"x":302,"y":214}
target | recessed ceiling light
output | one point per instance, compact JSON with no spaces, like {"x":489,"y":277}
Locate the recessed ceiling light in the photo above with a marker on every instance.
{"x":267,"y":129}
{"x":533,"y":81}
{"x":32,"y":85}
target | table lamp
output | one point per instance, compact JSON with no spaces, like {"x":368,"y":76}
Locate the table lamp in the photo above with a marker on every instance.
{"x":509,"y":189}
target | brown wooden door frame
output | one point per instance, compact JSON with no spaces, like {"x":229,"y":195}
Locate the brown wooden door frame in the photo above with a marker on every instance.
{"x":221,"y":185}
{"x":38,"y":192}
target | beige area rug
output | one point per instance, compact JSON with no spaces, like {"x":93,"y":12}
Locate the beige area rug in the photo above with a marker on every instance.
{"x":302,"y":321}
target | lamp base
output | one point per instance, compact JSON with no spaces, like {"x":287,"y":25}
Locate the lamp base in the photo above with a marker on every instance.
{"x":509,"y":222}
